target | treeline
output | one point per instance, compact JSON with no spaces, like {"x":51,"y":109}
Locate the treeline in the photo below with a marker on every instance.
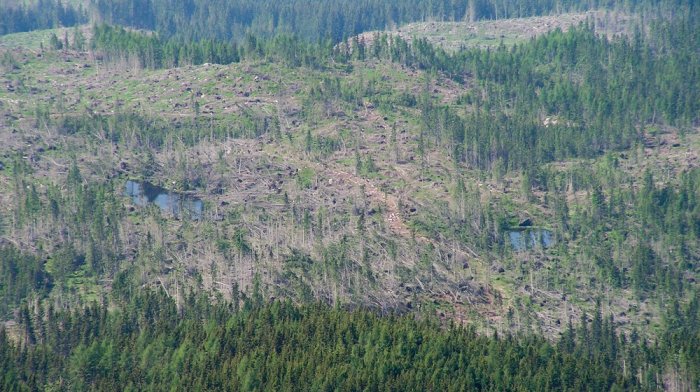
{"x":149,"y":342}
{"x":149,"y":51}
{"x":321,"y":19}
{"x":314,"y":20}
{"x":116,"y":44}
{"x":562,"y":95}
{"x":37,"y":15}
{"x":336,"y":20}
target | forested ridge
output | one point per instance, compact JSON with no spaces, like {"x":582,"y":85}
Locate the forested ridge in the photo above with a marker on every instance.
{"x":314,"y":21}
{"x":285,"y":195}
{"x":322,"y":19}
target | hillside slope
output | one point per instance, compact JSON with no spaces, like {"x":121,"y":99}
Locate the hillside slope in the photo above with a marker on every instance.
{"x":317,"y":184}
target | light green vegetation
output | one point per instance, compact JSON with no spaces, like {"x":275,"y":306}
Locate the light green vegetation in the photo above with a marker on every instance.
{"x":37,"y":39}
{"x":348,"y":164}
{"x":491,"y":33}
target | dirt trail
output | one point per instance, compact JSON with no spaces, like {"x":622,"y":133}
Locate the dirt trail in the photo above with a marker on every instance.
{"x":393,"y":214}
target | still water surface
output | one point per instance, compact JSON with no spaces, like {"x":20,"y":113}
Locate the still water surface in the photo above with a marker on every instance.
{"x":144,"y":193}
{"x":530,"y":238}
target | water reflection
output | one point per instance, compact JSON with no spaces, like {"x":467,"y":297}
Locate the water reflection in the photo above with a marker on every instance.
{"x":530,"y":238}
{"x":143,"y":193}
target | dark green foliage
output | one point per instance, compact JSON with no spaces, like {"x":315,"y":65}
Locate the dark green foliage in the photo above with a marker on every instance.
{"x":21,"y":275}
{"x":147,"y":343}
{"x":88,"y":216}
{"x":597,"y":107}
{"x":312,"y":20}
{"x":319,"y":20}
{"x":40,"y":14}
{"x":602,"y":97}
{"x":681,"y":339}
{"x":116,"y":44}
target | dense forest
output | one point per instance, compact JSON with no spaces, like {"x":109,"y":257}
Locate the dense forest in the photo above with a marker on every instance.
{"x":41,"y":14}
{"x":319,"y":20}
{"x":335,"y":20}
{"x":150,"y":343}
{"x":374,"y":211}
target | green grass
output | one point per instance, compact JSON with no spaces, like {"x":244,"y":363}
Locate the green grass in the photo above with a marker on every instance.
{"x":33,"y":39}
{"x":490,"y":33}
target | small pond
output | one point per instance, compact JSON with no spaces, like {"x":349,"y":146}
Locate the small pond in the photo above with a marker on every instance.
{"x":144,"y":193}
{"x":523,"y":239}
